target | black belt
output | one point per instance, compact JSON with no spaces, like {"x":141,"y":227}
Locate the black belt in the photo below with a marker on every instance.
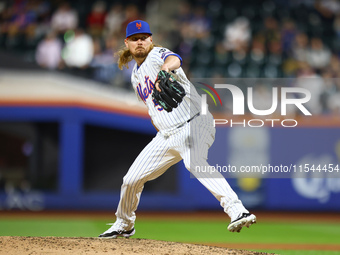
{"x":196,"y":115}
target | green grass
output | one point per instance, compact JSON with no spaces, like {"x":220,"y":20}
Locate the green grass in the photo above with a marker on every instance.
{"x":50,"y":227}
{"x":186,"y":231}
{"x":215,"y":231}
{"x":292,"y":252}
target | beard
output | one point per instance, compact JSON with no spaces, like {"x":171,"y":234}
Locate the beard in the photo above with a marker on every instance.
{"x":141,"y":54}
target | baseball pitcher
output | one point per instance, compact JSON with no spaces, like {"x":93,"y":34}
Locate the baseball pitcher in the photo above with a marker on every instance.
{"x":183,"y":133}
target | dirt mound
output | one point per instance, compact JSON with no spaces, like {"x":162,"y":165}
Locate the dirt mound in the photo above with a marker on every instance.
{"x":71,"y":245}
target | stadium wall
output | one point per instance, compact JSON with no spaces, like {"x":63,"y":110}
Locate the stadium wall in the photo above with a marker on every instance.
{"x":270,"y":146}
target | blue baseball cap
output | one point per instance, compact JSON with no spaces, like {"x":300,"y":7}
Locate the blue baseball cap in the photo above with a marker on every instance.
{"x":137,"y":27}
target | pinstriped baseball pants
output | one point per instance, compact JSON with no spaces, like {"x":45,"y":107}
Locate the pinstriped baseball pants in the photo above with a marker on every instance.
{"x":190,"y":143}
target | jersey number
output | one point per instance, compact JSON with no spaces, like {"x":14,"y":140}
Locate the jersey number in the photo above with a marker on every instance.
{"x":159,"y":108}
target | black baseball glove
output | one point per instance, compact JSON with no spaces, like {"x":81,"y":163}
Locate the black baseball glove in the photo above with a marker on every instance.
{"x":171,"y":94}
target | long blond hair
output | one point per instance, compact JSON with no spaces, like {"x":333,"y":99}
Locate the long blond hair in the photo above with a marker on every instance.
{"x":124,"y":56}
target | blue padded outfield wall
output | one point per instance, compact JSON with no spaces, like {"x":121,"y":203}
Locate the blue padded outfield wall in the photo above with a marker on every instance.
{"x":274,"y":146}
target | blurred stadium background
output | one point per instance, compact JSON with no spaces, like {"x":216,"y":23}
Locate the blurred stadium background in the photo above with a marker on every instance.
{"x":70,"y":124}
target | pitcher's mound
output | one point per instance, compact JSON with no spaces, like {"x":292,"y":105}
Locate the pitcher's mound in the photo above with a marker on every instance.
{"x":71,"y":245}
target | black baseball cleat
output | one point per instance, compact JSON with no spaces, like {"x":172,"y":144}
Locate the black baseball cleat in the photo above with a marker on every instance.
{"x":114,"y":232}
{"x":245,"y":220}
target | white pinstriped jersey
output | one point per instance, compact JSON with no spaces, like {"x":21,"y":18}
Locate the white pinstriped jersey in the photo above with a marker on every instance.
{"x":143,"y":79}
{"x":191,"y":143}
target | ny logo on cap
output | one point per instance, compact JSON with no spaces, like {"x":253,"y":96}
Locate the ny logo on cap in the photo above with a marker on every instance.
{"x":139,"y":25}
